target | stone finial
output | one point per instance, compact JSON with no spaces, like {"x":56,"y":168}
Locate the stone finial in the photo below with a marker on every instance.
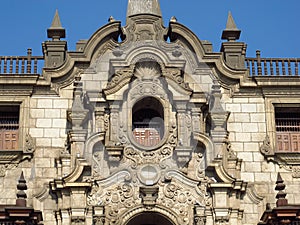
{"x":56,"y":31}
{"x":21,"y":195}
{"x":136,"y":7}
{"x":173,"y":19}
{"x":111,"y":19}
{"x":280,"y":186}
{"x":231,"y":32}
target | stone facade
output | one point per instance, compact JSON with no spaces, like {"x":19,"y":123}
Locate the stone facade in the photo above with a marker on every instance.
{"x":215,"y":160}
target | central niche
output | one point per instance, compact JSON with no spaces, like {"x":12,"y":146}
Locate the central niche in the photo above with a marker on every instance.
{"x":148,"y":122}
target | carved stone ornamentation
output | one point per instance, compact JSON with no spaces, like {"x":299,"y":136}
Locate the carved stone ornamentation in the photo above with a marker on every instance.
{"x":181,"y":195}
{"x":296,"y":171}
{"x":4,"y":168}
{"x":175,"y":75}
{"x":200,"y":220}
{"x":118,"y":80}
{"x":78,"y":221}
{"x":29,"y":146}
{"x":266,"y":148}
{"x":116,"y":199}
{"x":137,"y":157}
{"x":99,"y":220}
{"x":147,"y":70}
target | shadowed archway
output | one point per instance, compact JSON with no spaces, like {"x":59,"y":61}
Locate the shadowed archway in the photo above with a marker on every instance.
{"x":149,"y":219}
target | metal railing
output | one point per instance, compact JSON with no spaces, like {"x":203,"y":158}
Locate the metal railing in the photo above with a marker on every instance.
{"x":21,"y":64}
{"x":272,"y":66}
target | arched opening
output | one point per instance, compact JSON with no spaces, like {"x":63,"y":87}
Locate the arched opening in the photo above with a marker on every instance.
{"x":150,"y":219}
{"x":148,"y":122}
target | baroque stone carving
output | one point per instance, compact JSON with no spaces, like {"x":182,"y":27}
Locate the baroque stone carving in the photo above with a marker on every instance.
{"x":200,"y":220}
{"x":179,"y":199}
{"x":266,"y":148}
{"x":4,"y":168}
{"x":296,"y":171}
{"x":147,"y":70}
{"x":99,"y":220}
{"x":137,"y":157}
{"x":116,"y":199}
{"x":29,"y":146}
{"x":118,"y":80}
{"x":175,"y":75}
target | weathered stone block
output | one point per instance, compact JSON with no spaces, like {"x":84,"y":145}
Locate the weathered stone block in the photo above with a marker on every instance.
{"x":37,"y":113}
{"x":242,"y":117}
{"x":44,"y":103}
{"x":261,"y":127}
{"x":42,"y":163}
{"x":59,"y":123}
{"x":258,"y":137}
{"x":250,"y":127}
{"x":258,"y":117}
{"x":245,"y":156}
{"x":51,"y":132}
{"x":251,"y":147}
{"x":233,"y":107}
{"x":234,"y":127}
{"x":237,"y":146}
{"x":259,"y":177}
{"x":248,"y":177}
{"x":36,"y":132}
{"x":260,"y":108}
{"x":58,"y":142}
{"x":253,"y":167}
{"x":240,"y":100}
{"x":43,"y":142}
{"x":43,"y":123}
{"x":268,"y":167}
{"x":243,"y":137}
{"x":249,"y":108}
{"x":52,"y":113}
{"x":61,"y":104}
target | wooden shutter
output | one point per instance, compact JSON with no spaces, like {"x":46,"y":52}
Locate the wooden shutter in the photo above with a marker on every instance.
{"x":283,"y":142}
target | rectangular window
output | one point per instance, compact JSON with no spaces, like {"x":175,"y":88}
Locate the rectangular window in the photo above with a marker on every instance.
{"x":287,"y":129}
{"x":9,"y":127}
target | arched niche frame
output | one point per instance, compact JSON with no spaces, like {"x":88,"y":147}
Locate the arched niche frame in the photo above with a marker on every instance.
{"x":149,"y":91}
{"x":166,"y":215}
{"x":94,"y":153}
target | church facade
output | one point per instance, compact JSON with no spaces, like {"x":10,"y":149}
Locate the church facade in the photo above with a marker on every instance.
{"x":144,"y":125}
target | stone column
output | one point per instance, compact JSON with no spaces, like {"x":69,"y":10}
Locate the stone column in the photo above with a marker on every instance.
{"x":219,"y":117}
{"x":184,"y":149}
{"x":77,"y":116}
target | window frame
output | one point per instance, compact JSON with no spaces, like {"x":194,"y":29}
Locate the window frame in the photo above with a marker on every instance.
{"x":16,"y":155}
{"x":270,"y":144}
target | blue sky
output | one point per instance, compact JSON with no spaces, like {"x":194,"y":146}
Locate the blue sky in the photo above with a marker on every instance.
{"x":269,"y":25}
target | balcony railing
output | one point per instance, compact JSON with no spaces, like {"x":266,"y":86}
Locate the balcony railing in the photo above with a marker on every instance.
{"x":21,"y":64}
{"x":280,"y":67}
